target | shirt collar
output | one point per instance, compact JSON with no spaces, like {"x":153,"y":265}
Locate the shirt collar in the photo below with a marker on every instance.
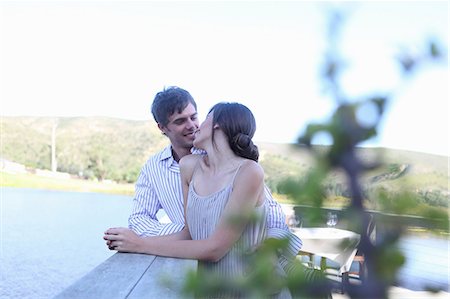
{"x":197,"y":151}
{"x":167,"y":154}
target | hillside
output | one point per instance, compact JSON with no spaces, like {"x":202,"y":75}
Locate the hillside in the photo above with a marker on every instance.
{"x":101,"y":147}
{"x":425,"y":176}
{"x":115,"y":149}
{"x":421,"y":162}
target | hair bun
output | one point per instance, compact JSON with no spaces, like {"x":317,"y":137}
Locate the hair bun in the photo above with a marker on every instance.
{"x":243,"y":145}
{"x":242,"y":141}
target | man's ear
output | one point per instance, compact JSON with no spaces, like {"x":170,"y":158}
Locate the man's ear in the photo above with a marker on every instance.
{"x":161,"y":128}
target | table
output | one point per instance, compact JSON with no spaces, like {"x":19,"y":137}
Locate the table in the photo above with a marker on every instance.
{"x":132,"y":276}
{"x":335,"y":244}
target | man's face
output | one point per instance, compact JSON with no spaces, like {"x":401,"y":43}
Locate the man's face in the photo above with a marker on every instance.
{"x":181,"y":127}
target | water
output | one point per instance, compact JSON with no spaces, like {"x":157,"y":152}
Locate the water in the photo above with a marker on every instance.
{"x":49,"y":239}
{"x":427,"y":263}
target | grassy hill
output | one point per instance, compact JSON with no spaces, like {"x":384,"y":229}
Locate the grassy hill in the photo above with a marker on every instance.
{"x":424,"y":175}
{"x":91,"y":147}
{"x":115,"y":149}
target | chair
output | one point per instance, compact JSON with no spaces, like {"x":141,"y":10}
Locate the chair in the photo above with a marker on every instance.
{"x":352,"y":276}
{"x":359,"y":257}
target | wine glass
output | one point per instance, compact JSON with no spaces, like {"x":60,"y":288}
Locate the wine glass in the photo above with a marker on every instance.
{"x":332,"y":219}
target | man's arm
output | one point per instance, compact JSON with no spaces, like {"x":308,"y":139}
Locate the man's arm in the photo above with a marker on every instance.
{"x":278,"y":229}
{"x":246,"y":194}
{"x":143,"y":220}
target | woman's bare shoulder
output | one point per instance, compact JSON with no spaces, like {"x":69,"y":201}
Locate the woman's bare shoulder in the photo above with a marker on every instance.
{"x":252,"y":165}
{"x":189,"y":161}
{"x":252,"y":169}
{"x":249,"y":182}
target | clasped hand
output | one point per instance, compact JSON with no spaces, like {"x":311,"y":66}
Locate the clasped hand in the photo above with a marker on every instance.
{"x":122,"y":239}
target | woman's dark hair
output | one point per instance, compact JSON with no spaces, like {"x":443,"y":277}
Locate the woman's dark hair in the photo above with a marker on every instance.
{"x":170,"y":100}
{"x":237,"y":123}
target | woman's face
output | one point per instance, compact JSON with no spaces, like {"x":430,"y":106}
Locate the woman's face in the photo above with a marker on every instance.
{"x":204,"y":132}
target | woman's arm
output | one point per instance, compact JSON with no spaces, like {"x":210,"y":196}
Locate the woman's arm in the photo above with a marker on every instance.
{"x":247,"y":193}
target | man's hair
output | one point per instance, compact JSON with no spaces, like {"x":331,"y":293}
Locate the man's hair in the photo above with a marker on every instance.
{"x":168,"y":101}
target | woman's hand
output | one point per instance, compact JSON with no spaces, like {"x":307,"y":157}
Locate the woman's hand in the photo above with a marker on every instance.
{"x":123,"y":240}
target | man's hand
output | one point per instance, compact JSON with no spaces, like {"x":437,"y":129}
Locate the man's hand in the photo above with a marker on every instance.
{"x":123,"y":240}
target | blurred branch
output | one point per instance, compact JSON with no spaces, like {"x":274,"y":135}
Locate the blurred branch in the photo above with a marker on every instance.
{"x":347,"y":130}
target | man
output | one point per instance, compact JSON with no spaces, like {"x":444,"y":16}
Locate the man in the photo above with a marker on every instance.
{"x":159,"y":184}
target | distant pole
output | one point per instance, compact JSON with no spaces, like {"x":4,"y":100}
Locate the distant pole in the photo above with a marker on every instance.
{"x":54,"y":162}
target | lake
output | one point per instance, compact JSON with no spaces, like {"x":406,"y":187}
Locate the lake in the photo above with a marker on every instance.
{"x":49,"y":239}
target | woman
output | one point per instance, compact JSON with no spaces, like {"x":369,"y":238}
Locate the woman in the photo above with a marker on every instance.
{"x":223,"y":190}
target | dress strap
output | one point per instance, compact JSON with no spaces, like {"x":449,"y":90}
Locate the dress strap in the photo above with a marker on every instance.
{"x":236,"y":172}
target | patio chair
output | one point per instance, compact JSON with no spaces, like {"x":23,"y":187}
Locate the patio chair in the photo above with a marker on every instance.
{"x":359,"y":258}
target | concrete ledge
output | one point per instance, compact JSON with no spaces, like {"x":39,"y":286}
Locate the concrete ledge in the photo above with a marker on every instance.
{"x":128,"y":275}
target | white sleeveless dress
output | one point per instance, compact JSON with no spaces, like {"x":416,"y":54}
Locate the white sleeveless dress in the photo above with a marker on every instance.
{"x":202,"y":216}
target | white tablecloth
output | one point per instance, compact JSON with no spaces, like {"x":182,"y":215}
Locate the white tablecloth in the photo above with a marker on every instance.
{"x":335,"y":244}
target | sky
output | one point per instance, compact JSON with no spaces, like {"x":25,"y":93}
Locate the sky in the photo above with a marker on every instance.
{"x":109,"y":58}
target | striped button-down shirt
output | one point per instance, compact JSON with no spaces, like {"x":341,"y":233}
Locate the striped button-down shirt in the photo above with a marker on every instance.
{"x":159,"y":187}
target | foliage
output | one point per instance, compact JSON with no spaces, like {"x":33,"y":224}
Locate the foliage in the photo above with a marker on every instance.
{"x":24,"y":147}
{"x":257,"y":284}
{"x":346,"y":131}
{"x":278,"y":168}
{"x":91,"y":147}
{"x":263,"y":281}
{"x":382,"y":256}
